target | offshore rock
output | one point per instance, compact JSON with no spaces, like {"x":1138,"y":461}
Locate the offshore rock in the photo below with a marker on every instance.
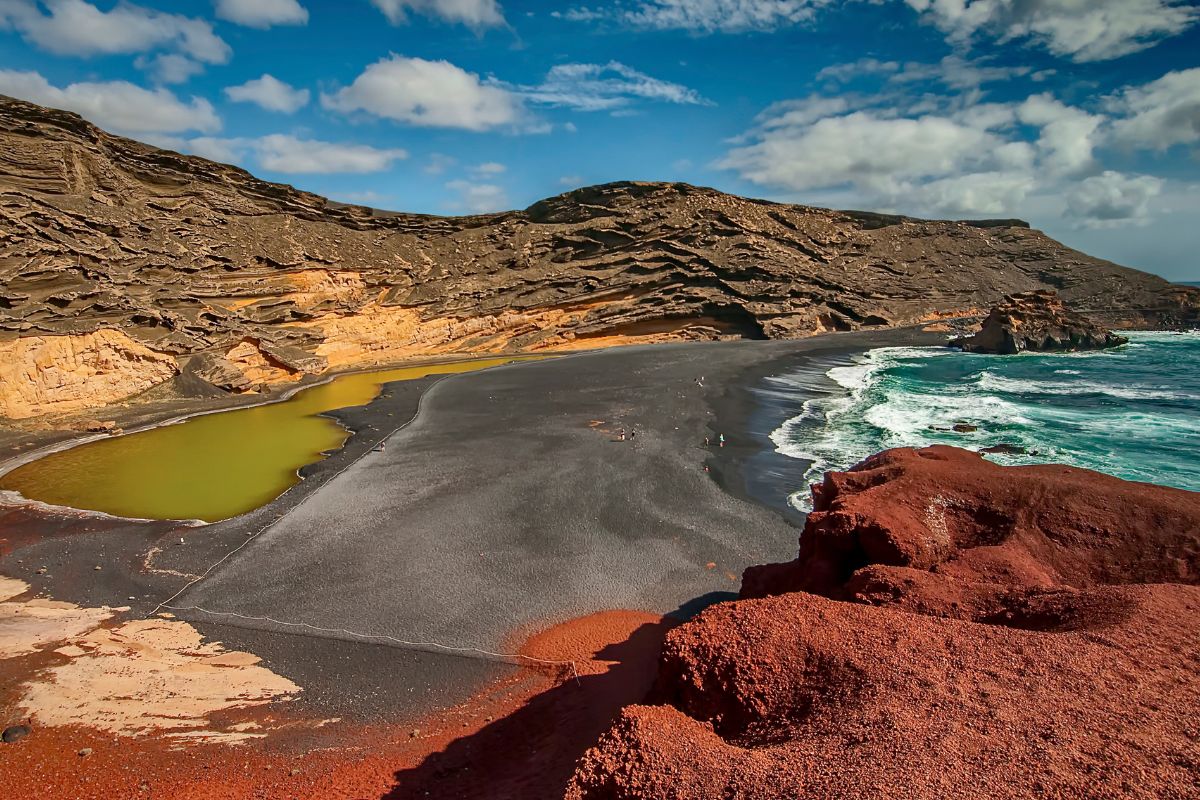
{"x":1037,"y":321}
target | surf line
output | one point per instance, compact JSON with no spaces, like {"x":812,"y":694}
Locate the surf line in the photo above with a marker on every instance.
{"x":166,"y":604}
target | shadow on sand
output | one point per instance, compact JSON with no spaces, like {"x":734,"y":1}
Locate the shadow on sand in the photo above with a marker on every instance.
{"x":531,"y":753}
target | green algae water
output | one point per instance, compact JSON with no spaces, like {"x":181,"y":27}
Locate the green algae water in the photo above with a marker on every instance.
{"x":213,"y":466}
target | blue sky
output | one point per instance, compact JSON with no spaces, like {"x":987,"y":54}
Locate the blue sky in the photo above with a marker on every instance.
{"x":1082,"y":116}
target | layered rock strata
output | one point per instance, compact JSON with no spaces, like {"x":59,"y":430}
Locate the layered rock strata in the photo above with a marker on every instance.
{"x":951,"y":628}
{"x":243,"y":282}
{"x":1037,"y":321}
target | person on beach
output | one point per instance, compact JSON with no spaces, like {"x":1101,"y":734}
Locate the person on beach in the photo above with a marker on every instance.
{"x":721,"y":439}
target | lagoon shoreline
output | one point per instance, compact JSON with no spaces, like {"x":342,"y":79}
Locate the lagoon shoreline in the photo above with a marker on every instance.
{"x":483,"y":519}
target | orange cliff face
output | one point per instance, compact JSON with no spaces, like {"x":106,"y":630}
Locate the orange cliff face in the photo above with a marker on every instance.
{"x":242,"y":283}
{"x":48,"y":374}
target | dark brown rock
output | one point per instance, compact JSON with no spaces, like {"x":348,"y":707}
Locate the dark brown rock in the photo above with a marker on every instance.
{"x":1038,"y":321}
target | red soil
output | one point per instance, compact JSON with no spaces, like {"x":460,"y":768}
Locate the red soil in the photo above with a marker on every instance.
{"x":1016,"y":659}
{"x":519,"y":738}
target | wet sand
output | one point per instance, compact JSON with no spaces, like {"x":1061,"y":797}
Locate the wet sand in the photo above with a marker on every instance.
{"x":507,"y":505}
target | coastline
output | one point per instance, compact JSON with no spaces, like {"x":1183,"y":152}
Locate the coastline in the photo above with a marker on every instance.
{"x":637,"y":525}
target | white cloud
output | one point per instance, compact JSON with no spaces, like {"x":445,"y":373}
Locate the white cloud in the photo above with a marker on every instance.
{"x":478,"y":198}
{"x":951,"y":155}
{"x":864,"y":66}
{"x":489,"y":168}
{"x":282,"y":153}
{"x":993,"y":193}
{"x":1160,"y":114}
{"x":477,"y":14}
{"x":1067,"y":134}
{"x":708,"y":16}
{"x":1082,"y":30}
{"x":884,"y":155}
{"x":428,"y":93}
{"x":270,"y":93}
{"x":438,"y":163}
{"x":363,"y":198}
{"x":170,"y":67}
{"x":77,"y":28}
{"x":288,"y":154}
{"x":1111,"y":199}
{"x":115,"y":105}
{"x":572,"y":181}
{"x":262,"y":13}
{"x":600,"y":87}
{"x":953,"y":71}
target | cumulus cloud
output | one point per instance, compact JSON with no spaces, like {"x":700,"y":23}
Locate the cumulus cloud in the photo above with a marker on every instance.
{"x":1068,"y":135}
{"x":262,"y":13}
{"x":1161,"y":114}
{"x":885,"y":156}
{"x":170,"y":67}
{"x":478,"y":198}
{"x":1111,"y":199}
{"x":115,"y":105}
{"x":1095,"y":30}
{"x":941,"y":155}
{"x":280,"y":152}
{"x":270,"y":93}
{"x":78,"y":28}
{"x":489,"y":168}
{"x":604,"y":87}
{"x":428,"y":93}
{"x":477,"y":14}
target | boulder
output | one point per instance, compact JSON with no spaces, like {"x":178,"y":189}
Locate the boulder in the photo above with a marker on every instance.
{"x":1037,"y":321}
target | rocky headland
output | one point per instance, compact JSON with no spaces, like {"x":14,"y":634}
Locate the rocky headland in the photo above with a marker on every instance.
{"x":1038,"y":321}
{"x":950,"y":628}
{"x":124,"y":267}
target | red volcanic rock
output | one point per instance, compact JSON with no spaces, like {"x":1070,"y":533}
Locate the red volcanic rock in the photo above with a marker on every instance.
{"x":950,"y":512}
{"x":986,"y":631}
{"x":798,"y":696}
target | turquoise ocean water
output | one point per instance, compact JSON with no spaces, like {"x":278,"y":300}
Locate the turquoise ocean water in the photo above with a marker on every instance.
{"x":1133,"y":411}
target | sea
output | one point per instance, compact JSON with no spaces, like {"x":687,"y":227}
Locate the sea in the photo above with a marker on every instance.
{"x":1132,"y":411}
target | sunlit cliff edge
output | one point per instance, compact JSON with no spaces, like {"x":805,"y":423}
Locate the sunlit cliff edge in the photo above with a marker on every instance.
{"x":124,"y":267}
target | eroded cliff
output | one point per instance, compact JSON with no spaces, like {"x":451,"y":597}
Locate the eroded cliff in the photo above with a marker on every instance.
{"x":243,"y":282}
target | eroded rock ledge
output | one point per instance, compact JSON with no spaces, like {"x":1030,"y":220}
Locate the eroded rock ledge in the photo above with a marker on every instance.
{"x":244,"y":283}
{"x":951,"y":628}
{"x":1037,"y":321}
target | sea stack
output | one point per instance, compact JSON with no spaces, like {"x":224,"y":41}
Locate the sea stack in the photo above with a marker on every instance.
{"x":1038,"y":321}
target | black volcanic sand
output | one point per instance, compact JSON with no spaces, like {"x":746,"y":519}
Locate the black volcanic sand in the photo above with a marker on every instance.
{"x":508,"y":501}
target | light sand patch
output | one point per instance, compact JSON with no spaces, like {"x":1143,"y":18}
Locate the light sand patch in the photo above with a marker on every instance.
{"x":26,"y":627}
{"x":153,"y":674}
{"x":11,"y":587}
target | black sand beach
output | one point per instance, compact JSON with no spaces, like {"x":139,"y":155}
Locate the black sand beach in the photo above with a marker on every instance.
{"x":508,"y":503}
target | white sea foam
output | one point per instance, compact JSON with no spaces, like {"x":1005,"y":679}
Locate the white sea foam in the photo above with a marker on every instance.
{"x":991,"y":382}
{"x":1145,"y":394}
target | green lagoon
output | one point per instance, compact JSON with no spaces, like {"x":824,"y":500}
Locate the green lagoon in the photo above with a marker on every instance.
{"x":214,"y":466}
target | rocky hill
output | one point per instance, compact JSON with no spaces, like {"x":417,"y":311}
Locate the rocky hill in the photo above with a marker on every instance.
{"x":123,"y":266}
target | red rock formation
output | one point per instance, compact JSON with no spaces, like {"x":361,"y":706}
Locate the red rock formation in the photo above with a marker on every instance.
{"x":1039,"y":640}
